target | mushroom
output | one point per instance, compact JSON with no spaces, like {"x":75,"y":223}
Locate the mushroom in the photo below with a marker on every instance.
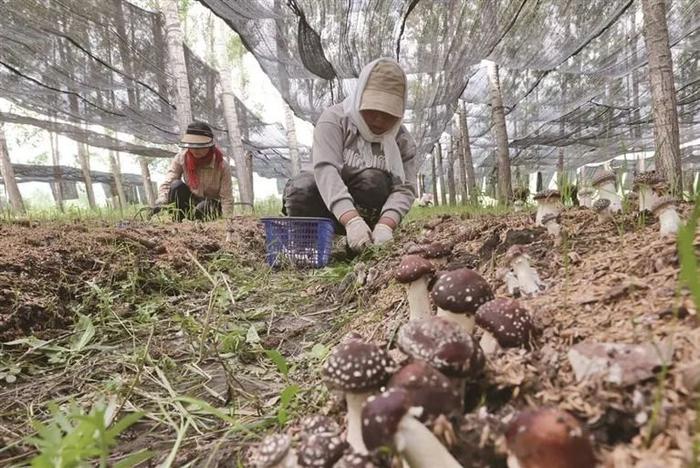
{"x":511,"y":281}
{"x":550,"y":221}
{"x":356,"y":460}
{"x":643,"y":184}
{"x":506,"y":324}
{"x":458,"y":294}
{"x":548,"y":438}
{"x":518,"y":206}
{"x":415,"y":272}
{"x":275,"y":451}
{"x":529,"y":281}
{"x":388,"y":421}
{"x":602,"y":207}
{"x":432,"y":392}
{"x":321,"y":450}
{"x":585,"y":197}
{"x":437,"y":252}
{"x":605,"y":184}
{"x":359,"y":369}
{"x":319,"y":424}
{"x":665,"y":209}
{"x":444,"y":345}
{"x":548,"y":202}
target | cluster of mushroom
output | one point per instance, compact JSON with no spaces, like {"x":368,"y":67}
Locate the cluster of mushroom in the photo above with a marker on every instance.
{"x":410,"y":407}
{"x":649,"y":192}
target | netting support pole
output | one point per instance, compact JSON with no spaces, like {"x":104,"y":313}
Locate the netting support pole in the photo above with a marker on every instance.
{"x":505,"y":190}
{"x":56,"y":185}
{"x":437,"y":152}
{"x":464,"y":191}
{"x":178,"y":66}
{"x":292,"y":140}
{"x":451,"y":189}
{"x":8,"y":175}
{"x":663,"y":94}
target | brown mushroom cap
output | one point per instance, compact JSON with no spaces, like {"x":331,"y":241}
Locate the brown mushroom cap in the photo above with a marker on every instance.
{"x":647,"y":178}
{"x":549,"y":217}
{"x":546,"y":195}
{"x":428,"y":389}
{"x":272,"y":450}
{"x":413,"y":267}
{"x":319,"y":424}
{"x":605,"y":176}
{"x":549,"y":438}
{"x":356,"y":366}
{"x":321,"y":450}
{"x":586,"y":191}
{"x":662,"y":202}
{"x":443,"y":344}
{"x":601,"y":204}
{"x":514,"y":252}
{"x":356,"y":460}
{"x":381,"y":416}
{"x":509,"y":323}
{"x":460,"y":291}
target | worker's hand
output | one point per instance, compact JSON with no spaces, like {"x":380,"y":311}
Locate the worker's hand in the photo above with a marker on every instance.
{"x":359,"y":235}
{"x":382,"y":233}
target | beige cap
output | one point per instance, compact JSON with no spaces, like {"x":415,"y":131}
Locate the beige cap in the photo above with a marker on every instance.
{"x":385,"y":89}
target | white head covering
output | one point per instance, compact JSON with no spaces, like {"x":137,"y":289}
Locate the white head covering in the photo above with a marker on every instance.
{"x":351,"y":108}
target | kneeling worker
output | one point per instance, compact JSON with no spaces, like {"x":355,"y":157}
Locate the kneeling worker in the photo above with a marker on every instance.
{"x":363,"y":159}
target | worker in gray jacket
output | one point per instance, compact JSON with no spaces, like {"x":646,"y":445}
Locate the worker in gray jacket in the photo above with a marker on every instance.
{"x":363,"y":160}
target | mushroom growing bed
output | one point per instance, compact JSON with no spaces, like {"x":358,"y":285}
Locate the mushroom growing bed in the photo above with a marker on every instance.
{"x":607,"y":286}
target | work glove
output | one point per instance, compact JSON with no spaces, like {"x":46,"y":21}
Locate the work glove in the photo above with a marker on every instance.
{"x":382,"y":233}
{"x":358,"y":234}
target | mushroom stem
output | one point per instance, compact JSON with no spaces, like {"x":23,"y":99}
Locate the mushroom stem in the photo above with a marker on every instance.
{"x":553,"y":228}
{"x":528,"y":279}
{"x":669,"y":220}
{"x":419,"y":446}
{"x":585,"y":200}
{"x":607,"y":190}
{"x":466,"y":321}
{"x":646,"y":198}
{"x":545,"y":207}
{"x":354,"y":403}
{"x":419,"y":299}
{"x":488,"y":343}
{"x":513,"y":462}
{"x":289,"y":460}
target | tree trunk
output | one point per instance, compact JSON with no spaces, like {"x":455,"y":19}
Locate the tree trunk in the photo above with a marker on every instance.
{"x":114,"y":167}
{"x":433,"y":172}
{"x":248,"y":175}
{"x":663,"y":94}
{"x":441,"y":173}
{"x":84,"y":159}
{"x":467,"y":152}
{"x":56,"y":185}
{"x":8,"y":175}
{"x":505,"y":191}
{"x":462,"y":169}
{"x":245,"y":185}
{"x":178,"y":66}
{"x":451,"y":189}
{"x":292,"y":140}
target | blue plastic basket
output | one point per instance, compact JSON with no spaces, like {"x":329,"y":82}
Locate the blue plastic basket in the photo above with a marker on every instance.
{"x":301,"y":242}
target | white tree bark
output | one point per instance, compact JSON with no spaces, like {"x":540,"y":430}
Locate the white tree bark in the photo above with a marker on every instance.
{"x":178,"y":67}
{"x":292,"y":140}
{"x":114,"y":167}
{"x":245,"y":186}
{"x":56,"y":185}
{"x":663,"y":93}
{"x":467,"y":151}
{"x":505,"y":191}
{"x":451,"y":191}
{"x":8,"y":175}
{"x":441,"y":173}
{"x":84,"y":160}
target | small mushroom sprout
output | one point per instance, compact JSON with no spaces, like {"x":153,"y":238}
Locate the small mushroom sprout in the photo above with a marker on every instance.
{"x":604,"y":183}
{"x":548,"y":202}
{"x":529,"y":281}
{"x":602,"y":208}
{"x":415,"y":272}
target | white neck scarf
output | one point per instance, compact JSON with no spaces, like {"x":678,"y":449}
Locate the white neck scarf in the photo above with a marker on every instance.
{"x":351,"y":108}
